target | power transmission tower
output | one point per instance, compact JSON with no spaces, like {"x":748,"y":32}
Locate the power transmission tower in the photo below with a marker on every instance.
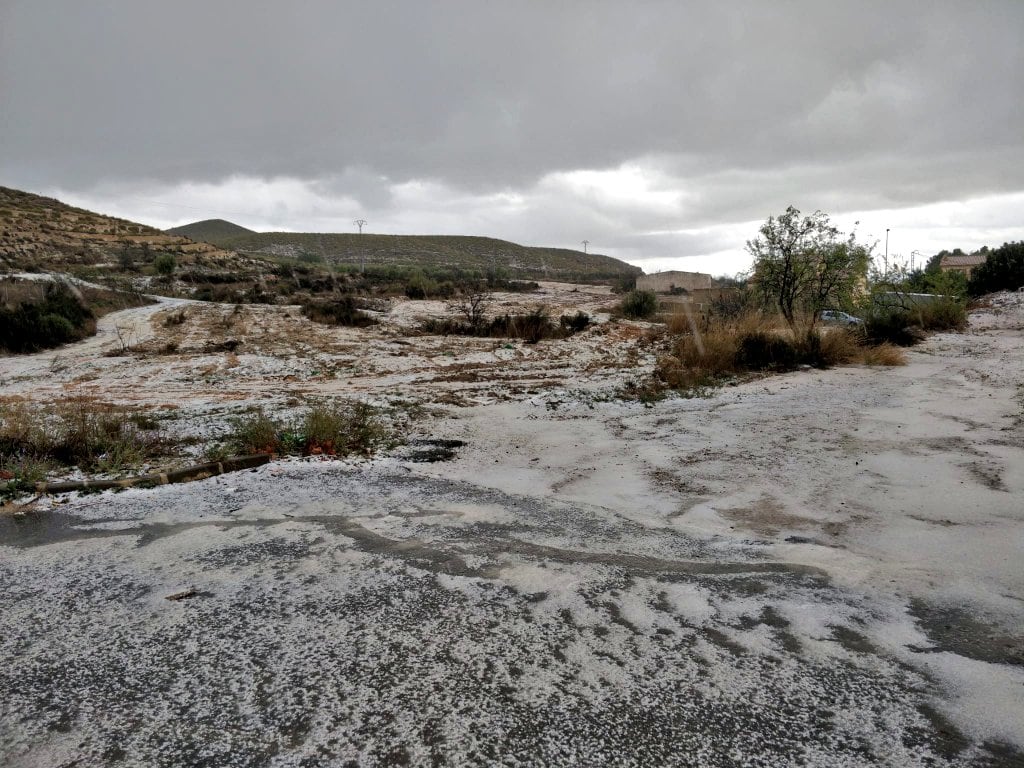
{"x":359,"y":223}
{"x":585,"y":244}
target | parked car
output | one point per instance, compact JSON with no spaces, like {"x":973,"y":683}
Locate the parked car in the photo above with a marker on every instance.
{"x":835,"y":317}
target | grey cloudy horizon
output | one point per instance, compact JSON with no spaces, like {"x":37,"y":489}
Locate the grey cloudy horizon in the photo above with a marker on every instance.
{"x":660,"y":131}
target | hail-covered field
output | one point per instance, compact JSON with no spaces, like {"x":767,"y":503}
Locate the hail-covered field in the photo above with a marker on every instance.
{"x":819,"y":568}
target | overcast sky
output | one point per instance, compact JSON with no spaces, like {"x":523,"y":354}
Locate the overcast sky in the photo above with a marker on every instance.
{"x":662,"y":132}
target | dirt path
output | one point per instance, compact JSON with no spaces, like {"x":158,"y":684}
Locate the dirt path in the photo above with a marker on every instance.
{"x":114,"y":331}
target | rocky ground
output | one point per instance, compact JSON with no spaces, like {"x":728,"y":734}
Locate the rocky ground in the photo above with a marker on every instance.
{"x":820,"y":568}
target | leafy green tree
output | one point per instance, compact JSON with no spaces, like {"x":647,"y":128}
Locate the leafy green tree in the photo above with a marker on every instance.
{"x":803,"y":265}
{"x":1003,"y":270}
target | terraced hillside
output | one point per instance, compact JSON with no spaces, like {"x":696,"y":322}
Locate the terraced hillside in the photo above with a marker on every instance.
{"x":446,"y":251}
{"x":42,"y":234}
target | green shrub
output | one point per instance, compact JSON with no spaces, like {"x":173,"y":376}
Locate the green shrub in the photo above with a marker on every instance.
{"x":943,"y":315}
{"x":60,"y":317}
{"x":324,"y":429}
{"x":532,"y":326}
{"x":344,"y":310}
{"x":165,"y":264}
{"x":637,"y":305}
{"x":890,"y":326}
{"x":1003,"y":270}
{"x":624,"y":284}
{"x":761,"y":350}
{"x":905,"y":326}
{"x":255,"y":433}
{"x":575,"y":323}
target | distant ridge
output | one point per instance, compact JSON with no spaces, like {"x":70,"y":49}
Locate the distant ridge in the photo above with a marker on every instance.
{"x":424,"y":251}
{"x":39,"y":233}
{"x":210,"y":230}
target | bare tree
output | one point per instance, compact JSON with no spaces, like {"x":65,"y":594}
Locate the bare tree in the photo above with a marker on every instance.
{"x":473,"y":307}
{"x":360,"y":223}
{"x":585,"y":244}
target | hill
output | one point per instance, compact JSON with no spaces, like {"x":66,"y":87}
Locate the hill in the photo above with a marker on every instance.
{"x":40,"y":233}
{"x":480,"y":254}
{"x":210,"y":230}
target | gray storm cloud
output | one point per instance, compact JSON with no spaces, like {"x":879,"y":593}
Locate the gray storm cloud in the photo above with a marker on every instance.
{"x":742,"y":107}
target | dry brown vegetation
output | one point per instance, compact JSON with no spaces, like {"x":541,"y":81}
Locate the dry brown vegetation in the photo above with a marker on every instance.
{"x":708,"y":350}
{"x":79,"y":431}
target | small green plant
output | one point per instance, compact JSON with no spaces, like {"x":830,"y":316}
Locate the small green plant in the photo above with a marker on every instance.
{"x":947,"y":314}
{"x":638,"y":305}
{"x":255,"y":433}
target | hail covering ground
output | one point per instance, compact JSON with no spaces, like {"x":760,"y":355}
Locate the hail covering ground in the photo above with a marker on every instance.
{"x":819,"y":568}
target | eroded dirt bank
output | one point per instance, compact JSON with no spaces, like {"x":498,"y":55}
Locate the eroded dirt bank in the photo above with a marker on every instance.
{"x":821,"y":568}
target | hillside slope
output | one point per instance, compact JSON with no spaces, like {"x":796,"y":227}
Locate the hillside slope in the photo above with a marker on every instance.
{"x":210,"y":230}
{"x":429,"y":251}
{"x":41,"y":234}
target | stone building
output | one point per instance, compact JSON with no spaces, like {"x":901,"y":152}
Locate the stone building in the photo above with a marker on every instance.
{"x":961,"y":263}
{"x":675,"y":282}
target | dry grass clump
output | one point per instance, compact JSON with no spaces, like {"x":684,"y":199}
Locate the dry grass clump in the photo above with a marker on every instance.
{"x":712,"y":350}
{"x":839,"y":346}
{"x":882,"y":354}
{"x":79,"y":432}
{"x":325,"y":428}
{"x":682,"y":319}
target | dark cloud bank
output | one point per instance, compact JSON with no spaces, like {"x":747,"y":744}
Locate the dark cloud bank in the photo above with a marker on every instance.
{"x":725,"y":112}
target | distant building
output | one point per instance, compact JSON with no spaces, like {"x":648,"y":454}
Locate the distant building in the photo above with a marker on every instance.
{"x":675,"y":282}
{"x":962,"y":262}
